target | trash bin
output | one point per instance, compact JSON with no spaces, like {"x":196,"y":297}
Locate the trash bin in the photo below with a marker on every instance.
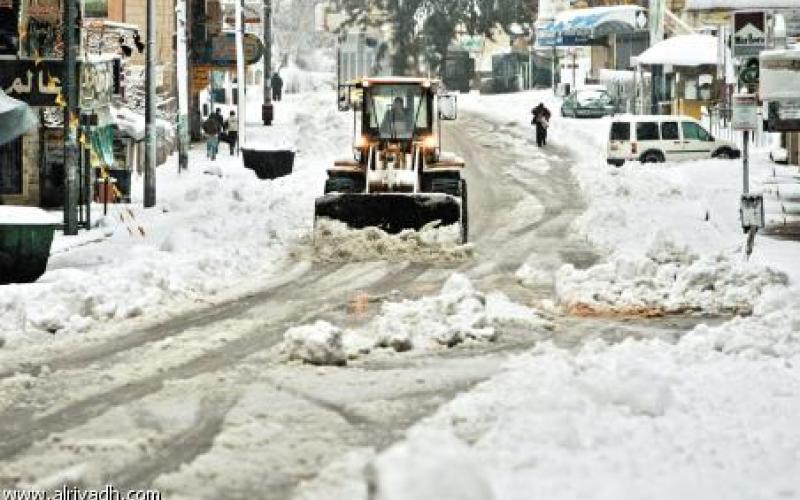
{"x":24,"y":251}
{"x":269,"y":164}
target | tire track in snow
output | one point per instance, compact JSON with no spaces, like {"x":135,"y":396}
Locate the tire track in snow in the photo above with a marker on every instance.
{"x":22,"y":428}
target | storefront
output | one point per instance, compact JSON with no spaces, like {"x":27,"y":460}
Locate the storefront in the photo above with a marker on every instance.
{"x":685,"y":74}
{"x":32,"y":71}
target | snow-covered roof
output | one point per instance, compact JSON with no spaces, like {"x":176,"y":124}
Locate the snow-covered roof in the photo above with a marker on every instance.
{"x":740,"y":4}
{"x":683,"y":50}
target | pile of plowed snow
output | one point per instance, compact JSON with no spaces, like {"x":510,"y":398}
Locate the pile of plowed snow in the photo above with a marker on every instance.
{"x":638,"y":419}
{"x":669,"y":278}
{"x":459,"y":313}
{"x":334,"y":241}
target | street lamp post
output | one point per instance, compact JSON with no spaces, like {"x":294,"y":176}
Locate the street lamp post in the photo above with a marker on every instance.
{"x":267,"y":110}
{"x":150,"y":109}
{"x":71,"y":48}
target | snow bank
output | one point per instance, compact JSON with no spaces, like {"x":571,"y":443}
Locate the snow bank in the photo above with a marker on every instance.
{"x":641,"y":419}
{"x":773,"y":331}
{"x":433,"y":465}
{"x":690,"y":205}
{"x":214,"y":226}
{"x":334,"y":241}
{"x":459,"y":313}
{"x":669,"y":278}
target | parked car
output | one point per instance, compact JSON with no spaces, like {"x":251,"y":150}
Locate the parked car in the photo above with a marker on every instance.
{"x":658,"y":138}
{"x":779,"y":155}
{"x":588,"y":103}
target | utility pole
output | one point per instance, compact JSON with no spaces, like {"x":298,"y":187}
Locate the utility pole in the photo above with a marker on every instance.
{"x":150,"y":109}
{"x":241,"y":80}
{"x":72,"y":37}
{"x":267,"y":111}
{"x":183,"y":86}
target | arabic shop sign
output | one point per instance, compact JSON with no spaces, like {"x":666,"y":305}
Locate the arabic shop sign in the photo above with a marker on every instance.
{"x":222,"y":50}
{"x":35,"y":84}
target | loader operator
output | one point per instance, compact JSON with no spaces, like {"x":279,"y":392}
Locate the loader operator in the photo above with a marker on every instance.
{"x":396,"y":121}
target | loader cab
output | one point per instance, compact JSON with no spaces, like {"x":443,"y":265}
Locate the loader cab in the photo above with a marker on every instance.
{"x":396,"y":109}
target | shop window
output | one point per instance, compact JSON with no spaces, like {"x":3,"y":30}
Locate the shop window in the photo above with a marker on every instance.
{"x":11,"y":167}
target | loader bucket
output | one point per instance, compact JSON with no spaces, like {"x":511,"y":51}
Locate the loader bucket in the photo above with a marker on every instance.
{"x":391,"y":212}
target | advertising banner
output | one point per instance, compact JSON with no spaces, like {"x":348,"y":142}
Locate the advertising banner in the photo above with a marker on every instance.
{"x":95,"y":8}
{"x":749,"y":33}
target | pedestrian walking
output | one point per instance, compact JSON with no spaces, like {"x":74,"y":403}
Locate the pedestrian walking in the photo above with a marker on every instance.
{"x":212,"y":128}
{"x":277,"y":86}
{"x":541,"y":119}
{"x":232,"y":127}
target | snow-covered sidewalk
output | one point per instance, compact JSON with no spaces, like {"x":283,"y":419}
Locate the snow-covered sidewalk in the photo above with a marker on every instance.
{"x":214,"y":226}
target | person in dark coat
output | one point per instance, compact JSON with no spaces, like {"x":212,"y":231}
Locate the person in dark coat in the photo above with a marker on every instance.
{"x":541,"y":119}
{"x":212,"y":127}
{"x":277,"y":86}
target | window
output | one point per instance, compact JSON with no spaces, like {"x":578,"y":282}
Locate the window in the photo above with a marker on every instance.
{"x":647,"y":131}
{"x":669,"y":131}
{"x":694,"y":132}
{"x":593,"y":97}
{"x":620,"y":131}
{"x":395,"y":111}
{"x":11,"y":167}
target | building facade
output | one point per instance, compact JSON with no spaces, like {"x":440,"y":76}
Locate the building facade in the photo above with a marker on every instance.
{"x":111,"y":78}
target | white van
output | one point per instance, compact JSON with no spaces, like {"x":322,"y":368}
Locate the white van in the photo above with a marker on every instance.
{"x":658,"y":138}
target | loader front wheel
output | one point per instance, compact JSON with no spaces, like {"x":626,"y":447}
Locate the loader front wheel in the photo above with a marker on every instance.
{"x":464,"y":212}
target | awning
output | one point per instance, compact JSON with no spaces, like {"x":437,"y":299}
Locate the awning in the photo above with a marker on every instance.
{"x":16,"y":118}
{"x":581,"y":27}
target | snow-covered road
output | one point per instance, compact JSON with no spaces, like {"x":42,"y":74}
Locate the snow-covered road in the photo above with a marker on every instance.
{"x":200,"y":400}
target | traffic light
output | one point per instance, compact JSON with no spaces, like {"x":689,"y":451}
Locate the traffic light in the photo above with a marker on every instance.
{"x":749,"y":72}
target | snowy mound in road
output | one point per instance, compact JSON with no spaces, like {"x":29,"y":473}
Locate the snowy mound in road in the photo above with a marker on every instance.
{"x":669,"y":278}
{"x":459,"y":313}
{"x":334,"y":241}
{"x":640,"y":419}
{"x":773,"y":330}
{"x":428,"y":465}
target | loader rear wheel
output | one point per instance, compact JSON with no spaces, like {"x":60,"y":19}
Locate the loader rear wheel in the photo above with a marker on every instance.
{"x":464,"y":212}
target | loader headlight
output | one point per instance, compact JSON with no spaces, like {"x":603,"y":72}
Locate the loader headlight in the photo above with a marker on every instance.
{"x":362,"y":142}
{"x":430,"y":142}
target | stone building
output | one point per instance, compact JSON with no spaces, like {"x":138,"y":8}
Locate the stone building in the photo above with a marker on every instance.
{"x":32,"y":70}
